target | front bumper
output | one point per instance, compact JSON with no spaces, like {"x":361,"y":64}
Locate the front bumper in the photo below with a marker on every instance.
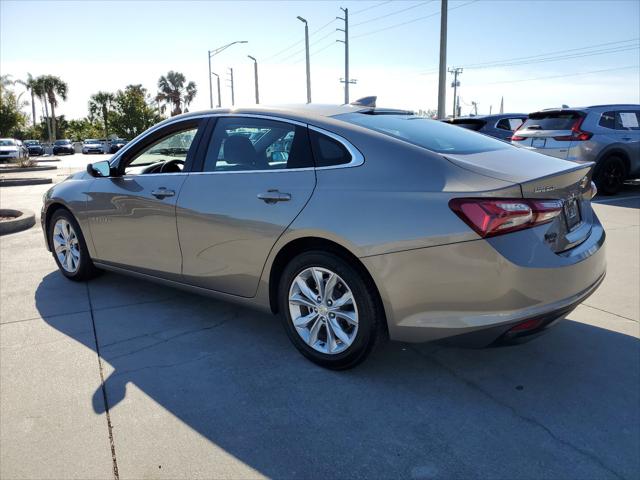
{"x":458,"y":289}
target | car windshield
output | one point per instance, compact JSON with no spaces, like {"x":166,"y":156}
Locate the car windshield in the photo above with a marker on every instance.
{"x":557,"y":120}
{"x":7,"y":143}
{"x":90,"y":140}
{"x":31,"y":142}
{"x":63,"y":142}
{"x":430,"y":134}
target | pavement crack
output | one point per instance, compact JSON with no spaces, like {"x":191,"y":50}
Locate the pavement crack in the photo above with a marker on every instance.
{"x":165,"y":340}
{"x":610,"y":313}
{"x":530,"y":420}
{"x":103,"y":388}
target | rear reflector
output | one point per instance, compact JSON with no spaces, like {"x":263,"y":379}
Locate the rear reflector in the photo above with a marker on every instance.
{"x":526,"y":325}
{"x":489,"y":217}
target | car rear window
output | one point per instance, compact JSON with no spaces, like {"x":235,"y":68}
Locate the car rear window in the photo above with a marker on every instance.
{"x":551,"y":120}
{"x":469,"y":124}
{"x":430,"y":134}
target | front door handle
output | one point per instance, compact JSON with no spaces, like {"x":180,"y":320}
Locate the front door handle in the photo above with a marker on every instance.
{"x":274,"y":196}
{"x":163,"y":193}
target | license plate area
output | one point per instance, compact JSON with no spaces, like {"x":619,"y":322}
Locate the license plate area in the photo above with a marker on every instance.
{"x":572,"y":213}
{"x":538,"y":142}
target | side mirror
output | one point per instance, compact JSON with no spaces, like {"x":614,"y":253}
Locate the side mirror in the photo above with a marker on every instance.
{"x":99,"y":169}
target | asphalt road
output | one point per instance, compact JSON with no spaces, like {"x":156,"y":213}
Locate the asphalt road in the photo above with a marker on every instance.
{"x":120,"y":378}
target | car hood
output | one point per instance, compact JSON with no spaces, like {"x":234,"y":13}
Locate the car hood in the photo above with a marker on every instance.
{"x":516,"y":165}
{"x":8,"y":148}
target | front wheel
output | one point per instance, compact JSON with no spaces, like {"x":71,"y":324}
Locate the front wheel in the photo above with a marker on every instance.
{"x":69,"y":247}
{"x":610,"y":175}
{"x":330,"y":312}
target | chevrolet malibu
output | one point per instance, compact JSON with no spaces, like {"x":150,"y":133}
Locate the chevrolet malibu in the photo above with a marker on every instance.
{"x":354,"y":223}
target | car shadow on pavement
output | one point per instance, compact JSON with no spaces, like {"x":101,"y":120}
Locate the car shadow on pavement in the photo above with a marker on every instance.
{"x":562,"y":406}
{"x":628,"y":197}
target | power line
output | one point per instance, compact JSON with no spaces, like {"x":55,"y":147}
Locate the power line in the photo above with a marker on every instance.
{"x":411,"y":21}
{"x":561,"y":76}
{"x":371,"y":7}
{"x":297,"y":42}
{"x":392,"y":13}
{"x":588,"y":51}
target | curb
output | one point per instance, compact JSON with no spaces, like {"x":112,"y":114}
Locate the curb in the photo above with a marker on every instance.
{"x":45,"y":159}
{"x":37,"y":168}
{"x":21,"y":182}
{"x":25,"y":220}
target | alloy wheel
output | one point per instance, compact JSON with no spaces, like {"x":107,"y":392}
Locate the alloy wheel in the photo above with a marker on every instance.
{"x":323,"y":310}
{"x":66,"y":245}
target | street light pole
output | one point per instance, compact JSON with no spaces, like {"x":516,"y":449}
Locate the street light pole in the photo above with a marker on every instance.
{"x":211,"y":53}
{"x":218,"y":81}
{"x":255,"y":74}
{"x":306,"y":46}
{"x":442,"y":71}
{"x":233,"y":98}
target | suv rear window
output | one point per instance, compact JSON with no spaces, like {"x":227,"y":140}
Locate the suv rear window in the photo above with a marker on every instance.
{"x":552,"y":120}
{"x":430,"y":134}
{"x":469,"y":124}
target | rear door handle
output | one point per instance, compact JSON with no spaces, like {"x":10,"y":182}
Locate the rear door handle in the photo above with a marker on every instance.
{"x":274,"y":196}
{"x":163,"y":193}
{"x":627,"y":138}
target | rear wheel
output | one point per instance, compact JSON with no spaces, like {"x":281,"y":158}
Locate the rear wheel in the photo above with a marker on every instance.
{"x":329,"y":310}
{"x":69,"y":247}
{"x":610,"y":175}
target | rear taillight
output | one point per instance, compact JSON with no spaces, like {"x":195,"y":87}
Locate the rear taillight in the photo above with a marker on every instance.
{"x":515,"y":137}
{"x":489,"y":217}
{"x":576,"y":133}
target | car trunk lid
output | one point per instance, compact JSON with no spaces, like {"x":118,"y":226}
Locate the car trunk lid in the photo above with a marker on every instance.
{"x":542,"y":177}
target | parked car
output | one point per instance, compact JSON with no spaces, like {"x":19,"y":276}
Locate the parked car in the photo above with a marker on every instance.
{"x":34,"y":147}
{"x":608,"y":135}
{"x":61,"y":147}
{"x":116,"y":144}
{"x":500,"y":126}
{"x":91,"y":145}
{"x":12,"y":150}
{"x":367,"y":223}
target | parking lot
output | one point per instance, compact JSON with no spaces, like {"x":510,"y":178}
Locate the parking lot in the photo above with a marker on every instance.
{"x":120,"y":378}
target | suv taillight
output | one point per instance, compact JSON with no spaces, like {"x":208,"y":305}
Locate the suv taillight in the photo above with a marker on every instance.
{"x":489,"y":217}
{"x":576,"y":133}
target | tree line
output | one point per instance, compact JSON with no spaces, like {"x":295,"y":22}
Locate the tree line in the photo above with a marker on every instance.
{"x":125,"y":113}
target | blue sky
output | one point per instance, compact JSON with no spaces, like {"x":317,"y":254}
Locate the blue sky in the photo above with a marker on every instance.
{"x":394,"y":49}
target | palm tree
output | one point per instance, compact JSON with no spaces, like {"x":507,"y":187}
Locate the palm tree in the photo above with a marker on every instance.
{"x":174,"y":91}
{"x":51,"y":87}
{"x":29,"y":83}
{"x":101,"y":103}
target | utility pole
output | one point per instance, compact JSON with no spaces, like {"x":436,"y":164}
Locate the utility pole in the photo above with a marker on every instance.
{"x":306,"y":46}
{"x":475,"y":108}
{"x":346,"y":53}
{"x":455,"y":84}
{"x":255,"y":75}
{"x":210,"y":54}
{"x":442,"y":72}
{"x":233,"y":99}
{"x":218,"y":82}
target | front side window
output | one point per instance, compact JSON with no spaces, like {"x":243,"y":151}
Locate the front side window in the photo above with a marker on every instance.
{"x":430,"y":134}
{"x":242,"y":144}
{"x":629,"y":120}
{"x":167,"y":155}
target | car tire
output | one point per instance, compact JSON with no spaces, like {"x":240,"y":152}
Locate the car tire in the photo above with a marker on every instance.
{"x":69,"y":247}
{"x":328,"y":339}
{"x":609,"y":175}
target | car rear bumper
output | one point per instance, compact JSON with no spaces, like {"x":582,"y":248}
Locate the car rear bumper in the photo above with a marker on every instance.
{"x":465,"y":288}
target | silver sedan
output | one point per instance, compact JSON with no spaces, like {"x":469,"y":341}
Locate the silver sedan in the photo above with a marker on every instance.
{"x":354,"y":223}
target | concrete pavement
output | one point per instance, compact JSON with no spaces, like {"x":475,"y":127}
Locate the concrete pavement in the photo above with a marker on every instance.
{"x":197,"y":388}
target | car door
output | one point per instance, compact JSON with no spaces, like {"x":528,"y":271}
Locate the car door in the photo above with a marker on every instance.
{"x":132,"y":214}
{"x":257,"y":175}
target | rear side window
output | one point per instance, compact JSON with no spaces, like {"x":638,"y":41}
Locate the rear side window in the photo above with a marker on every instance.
{"x":243,"y":143}
{"x":328,"y":152}
{"x":430,"y":134}
{"x":629,"y":120}
{"x":608,"y":120}
{"x":552,"y":120}
{"x":509,"y":123}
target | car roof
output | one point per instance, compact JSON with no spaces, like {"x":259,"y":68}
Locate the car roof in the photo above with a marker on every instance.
{"x":583,"y":109}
